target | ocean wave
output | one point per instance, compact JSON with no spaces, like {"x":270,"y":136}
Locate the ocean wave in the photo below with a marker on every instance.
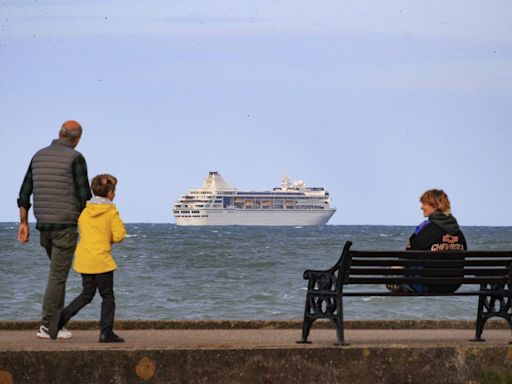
{"x":165,"y":271}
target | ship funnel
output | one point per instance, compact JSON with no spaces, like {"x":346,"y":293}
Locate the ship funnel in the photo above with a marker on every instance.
{"x":215,"y":182}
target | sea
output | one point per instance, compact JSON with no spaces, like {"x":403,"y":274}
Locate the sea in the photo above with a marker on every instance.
{"x":167,"y":272}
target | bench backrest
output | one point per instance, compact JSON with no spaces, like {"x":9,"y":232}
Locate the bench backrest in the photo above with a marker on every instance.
{"x":424,"y":267}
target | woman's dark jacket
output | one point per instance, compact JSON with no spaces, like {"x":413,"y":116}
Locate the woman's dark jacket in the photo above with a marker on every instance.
{"x":439,"y":233}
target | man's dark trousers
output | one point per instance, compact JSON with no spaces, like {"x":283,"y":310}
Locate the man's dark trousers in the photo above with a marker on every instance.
{"x":60,"y":247}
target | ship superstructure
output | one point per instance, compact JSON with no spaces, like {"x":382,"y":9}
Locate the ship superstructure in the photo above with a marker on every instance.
{"x":219,"y":203}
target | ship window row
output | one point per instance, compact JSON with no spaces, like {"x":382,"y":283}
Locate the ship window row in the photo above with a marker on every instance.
{"x":239,"y":208}
{"x":257,"y":204}
{"x":244,"y":211}
{"x":190,"y":216}
{"x":178,"y":216}
{"x":271,"y":193}
{"x":187,"y":203}
{"x":255,"y":195}
{"x":276,"y":198}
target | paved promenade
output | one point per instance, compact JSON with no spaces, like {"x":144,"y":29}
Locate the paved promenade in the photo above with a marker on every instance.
{"x":232,"y":353}
{"x":254,"y":338}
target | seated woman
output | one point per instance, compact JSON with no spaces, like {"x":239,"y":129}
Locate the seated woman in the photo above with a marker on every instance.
{"x":440,"y":232}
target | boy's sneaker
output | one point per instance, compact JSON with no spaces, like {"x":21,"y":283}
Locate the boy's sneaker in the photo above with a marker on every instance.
{"x":63,"y":333}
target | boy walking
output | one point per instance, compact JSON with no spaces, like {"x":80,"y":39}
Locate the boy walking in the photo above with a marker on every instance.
{"x":99,"y":226}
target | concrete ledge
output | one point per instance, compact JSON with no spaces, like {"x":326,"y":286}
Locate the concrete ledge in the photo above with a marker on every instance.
{"x":260,"y":324}
{"x":261,"y":365}
{"x":265,"y":354}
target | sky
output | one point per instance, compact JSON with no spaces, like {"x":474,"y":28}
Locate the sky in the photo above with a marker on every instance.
{"x":377,"y":101}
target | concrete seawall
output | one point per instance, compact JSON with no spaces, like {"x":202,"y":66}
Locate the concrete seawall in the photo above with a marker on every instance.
{"x":258,"y":352}
{"x":6,"y":325}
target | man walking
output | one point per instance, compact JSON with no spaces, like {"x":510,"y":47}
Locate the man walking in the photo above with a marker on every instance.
{"x":57,"y":177}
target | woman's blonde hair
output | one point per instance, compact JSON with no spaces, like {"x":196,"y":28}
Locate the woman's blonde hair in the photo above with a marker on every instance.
{"x":438,"y":200}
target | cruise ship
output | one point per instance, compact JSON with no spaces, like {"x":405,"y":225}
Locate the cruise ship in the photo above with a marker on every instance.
{"x":219,"y":203}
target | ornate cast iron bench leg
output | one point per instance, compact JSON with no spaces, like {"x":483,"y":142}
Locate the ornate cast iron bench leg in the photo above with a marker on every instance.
{"x":340,"y":328}
{"x":480,"y":320}
{"x":492,"y":306}
{"x":306,"y":324}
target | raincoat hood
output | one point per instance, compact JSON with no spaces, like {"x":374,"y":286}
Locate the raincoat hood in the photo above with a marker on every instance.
{"x":98,"y":206}
{"x":446,"y":222}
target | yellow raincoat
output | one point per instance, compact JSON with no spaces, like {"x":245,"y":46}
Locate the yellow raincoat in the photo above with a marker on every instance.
{"x":99,"y":226}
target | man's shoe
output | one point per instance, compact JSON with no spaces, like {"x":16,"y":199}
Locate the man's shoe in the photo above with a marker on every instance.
{"x":110,"y":338}
{"x":43,"y":332}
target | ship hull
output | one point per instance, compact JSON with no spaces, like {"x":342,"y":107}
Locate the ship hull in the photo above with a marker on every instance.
{"x":257,"y":217}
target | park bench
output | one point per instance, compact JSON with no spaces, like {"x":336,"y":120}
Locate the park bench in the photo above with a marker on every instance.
{"x":486,"y":274}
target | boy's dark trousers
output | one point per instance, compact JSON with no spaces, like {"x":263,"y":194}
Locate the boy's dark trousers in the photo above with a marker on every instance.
{"x":105,"y":284}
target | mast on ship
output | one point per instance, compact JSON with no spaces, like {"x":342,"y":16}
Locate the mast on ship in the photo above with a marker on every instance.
{"x":285,"y":182}
{"x":287,"y":185}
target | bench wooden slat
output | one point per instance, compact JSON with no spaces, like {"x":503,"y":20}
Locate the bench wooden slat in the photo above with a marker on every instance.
{"x":440,"y":254}
{"x":433,"y":262}
{"x":430,"y":271}
{"x":399,"y":294}
{"x":427,"y":280}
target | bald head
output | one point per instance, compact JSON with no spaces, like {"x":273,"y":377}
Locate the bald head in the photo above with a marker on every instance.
{"x":71,"y":131}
